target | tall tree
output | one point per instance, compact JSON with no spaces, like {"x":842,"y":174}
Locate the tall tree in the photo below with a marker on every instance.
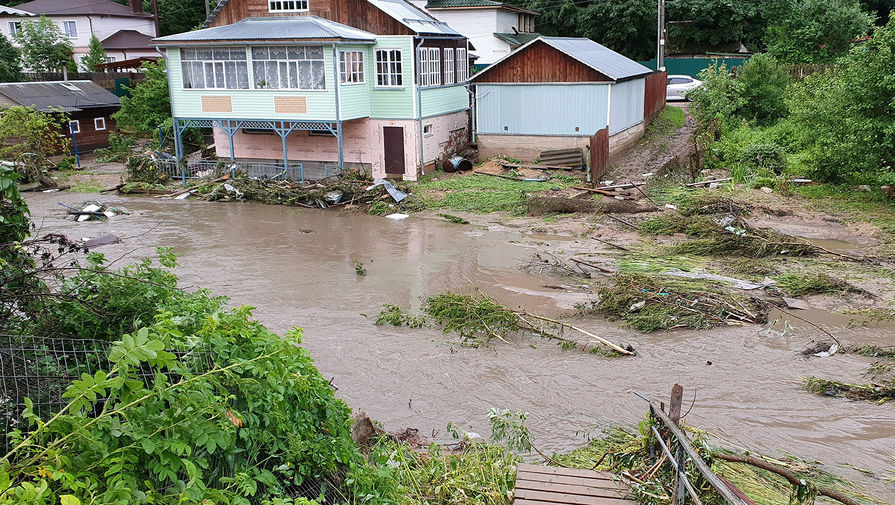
{"x":149,"y":103}
{"x":10,"y":61}
{"x":696,"y":26}
{"x":816,"y":31}
{"x":44,"y":47}
{"x":96,"y":55}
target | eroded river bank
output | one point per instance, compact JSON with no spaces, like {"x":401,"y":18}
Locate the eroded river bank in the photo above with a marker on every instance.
{"x":297,"y":267}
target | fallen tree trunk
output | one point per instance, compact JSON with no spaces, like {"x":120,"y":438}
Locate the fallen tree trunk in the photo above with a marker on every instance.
{"x":793,"y":479}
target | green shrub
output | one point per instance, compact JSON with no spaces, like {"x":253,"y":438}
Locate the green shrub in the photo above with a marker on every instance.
{"x":816,"y":31}
{"x":768,"y":156}
{"x":718,"y":99}
{"x":762,"y":83}
{"x":120,"y":148}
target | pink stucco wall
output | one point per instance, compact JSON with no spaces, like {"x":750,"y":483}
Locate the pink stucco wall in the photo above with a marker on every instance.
{"x":362,"y":140}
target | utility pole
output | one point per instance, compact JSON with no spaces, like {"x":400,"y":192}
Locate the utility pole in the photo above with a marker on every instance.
{"x":158,"y":33}
{"x":207,"y":9}
{"x":660,"y":44}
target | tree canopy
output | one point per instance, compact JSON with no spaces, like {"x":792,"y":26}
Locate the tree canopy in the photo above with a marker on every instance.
{"x":44,"y":47}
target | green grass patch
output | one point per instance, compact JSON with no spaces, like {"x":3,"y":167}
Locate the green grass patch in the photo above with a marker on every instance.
{"x":802,"y":283}
{"x":873,"y":206}
{"x":483,"y":194}
{"x":669,"y":119}
{"x":878,"y":391}
{"x":85,"y":187}
{"x":454,"y":219}
{"x":697,"y":202}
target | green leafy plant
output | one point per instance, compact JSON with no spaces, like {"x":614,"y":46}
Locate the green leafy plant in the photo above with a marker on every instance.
{"x":96,"y":54}
{"x":396,"y":316}
{"x":44,"y":47}
{"x":30,"y":137}
{"x":149,"y":103}
{"x":120,"y":148}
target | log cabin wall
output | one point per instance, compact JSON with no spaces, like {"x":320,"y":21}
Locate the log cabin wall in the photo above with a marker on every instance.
{"x":357,"y":13}
{"x":540,"y":63}
{"x":90,"y":138}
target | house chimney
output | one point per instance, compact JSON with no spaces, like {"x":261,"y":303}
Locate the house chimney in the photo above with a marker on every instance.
{"x":137,"y":6}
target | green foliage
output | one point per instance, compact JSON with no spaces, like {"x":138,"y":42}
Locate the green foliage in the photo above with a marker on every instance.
{"x":380,"y":208}
{"x":717,"y":101}
{"x":14,"y":211}
{"x":508,"y":428}
{"x":10,"y":61}
{"x":96,"y":55}
{"x":454,"y":219}
{"x":476,"y":474}
{"x":144,"y":169}
{"x":44,"y":47}
{"x":800,"y":284}
{"x":360,"y":269}
{"x":149,"y":103}
{"x":473,"y":318}
{"x":844,"y":120}
{"x":396,"y":316}
{"x":710,"y":23}
{"x":31,"y":137}
{"x":816,"y":31}
{"x":120,"y":148}
{"x":483,"y":194}
{"x":762,"y":83}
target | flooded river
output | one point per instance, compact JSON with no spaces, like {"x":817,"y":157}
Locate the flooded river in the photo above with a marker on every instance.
{"x":297,"y":267}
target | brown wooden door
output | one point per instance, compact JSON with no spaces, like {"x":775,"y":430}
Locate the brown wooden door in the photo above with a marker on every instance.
{"x":393,"y":143}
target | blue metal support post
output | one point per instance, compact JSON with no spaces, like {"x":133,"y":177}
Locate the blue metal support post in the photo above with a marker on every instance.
{"x":341,"y":151}
{"x":178,"y":150}
{"x":74,"y":141}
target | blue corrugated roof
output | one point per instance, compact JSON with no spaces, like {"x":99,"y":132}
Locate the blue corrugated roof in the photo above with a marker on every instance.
{"x":598,"y":57}
{"x":273,"y":29}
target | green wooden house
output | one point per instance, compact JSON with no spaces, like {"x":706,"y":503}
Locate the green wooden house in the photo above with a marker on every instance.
{"x":321,"y":84}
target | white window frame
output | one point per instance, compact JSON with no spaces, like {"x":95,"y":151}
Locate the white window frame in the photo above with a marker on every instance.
{"x":424,"y":67}
{"x":74,"y":126}
{"x":428,"y":130}
{"x":351,"y":67}
{"x":434,"y":66}
{"x":70,"y":29}
{"x":275,"y":6}
{"x":14,"y":28}
{"x":288,"y":63}
{"x":111,"y":59}
{"x":203,"y":59}
{"x":462,"y":65}
{"x":389,"y":70}
{"x":99,"y":123}
{"x":449,"y":65}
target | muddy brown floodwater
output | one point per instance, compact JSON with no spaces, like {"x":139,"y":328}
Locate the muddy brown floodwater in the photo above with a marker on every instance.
{"x":297,"y":267}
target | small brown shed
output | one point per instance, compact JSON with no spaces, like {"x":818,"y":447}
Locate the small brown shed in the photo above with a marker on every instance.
{"x":88,"y":106}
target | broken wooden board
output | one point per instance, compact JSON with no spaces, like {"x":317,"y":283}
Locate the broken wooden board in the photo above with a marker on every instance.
{"x":545,"y":485}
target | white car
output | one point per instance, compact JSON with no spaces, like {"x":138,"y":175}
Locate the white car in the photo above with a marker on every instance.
{"x":679,"y":85}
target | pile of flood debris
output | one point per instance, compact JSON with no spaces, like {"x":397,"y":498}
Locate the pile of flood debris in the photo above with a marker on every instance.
{"x":92,"y":210}
{"x":349,"y":190}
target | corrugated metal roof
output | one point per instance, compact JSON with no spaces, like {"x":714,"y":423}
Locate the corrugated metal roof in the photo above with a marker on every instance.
{"x":127,"y":39}
{"x":85,"y":7}
{"x":480,"y":4}
{"x":71,"y":96}
{"x":598,"y":57}
{"x":10,"y":11}
{"x":411,"y":16}
{"x":273,"y":29}
{"x":517,"y":39}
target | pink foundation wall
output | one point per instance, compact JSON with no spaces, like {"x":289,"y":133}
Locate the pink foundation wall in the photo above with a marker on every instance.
{"x":362,"y":140}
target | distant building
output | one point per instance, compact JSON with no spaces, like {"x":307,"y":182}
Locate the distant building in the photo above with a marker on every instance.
{"x":126,"y":31}
{"x":88,"y":106}
{"x":494,"y":29}
{"x":558,"y":93}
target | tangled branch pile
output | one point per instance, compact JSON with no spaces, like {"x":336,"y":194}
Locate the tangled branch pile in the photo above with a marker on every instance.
{"x":648,"y":303}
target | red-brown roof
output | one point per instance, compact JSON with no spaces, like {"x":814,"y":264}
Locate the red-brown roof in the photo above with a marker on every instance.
{"x":81,"y":7}
{"x":127,"y":39}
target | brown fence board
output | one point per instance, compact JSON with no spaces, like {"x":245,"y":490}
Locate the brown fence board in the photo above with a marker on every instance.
{"x":568,"y":479}
{"x":599,"y":154}
{"x":544,"y":485}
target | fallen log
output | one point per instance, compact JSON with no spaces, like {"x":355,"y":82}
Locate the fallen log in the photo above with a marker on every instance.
{"x":703,"y":183}
{"x":111,"y":188}
{"x":611,"y":244}
{"x":598,"y":267}
{"x":605,"y":192}
{"x":536,"y":166}
{"x":793,"y":479}
{"x":601,"y":340}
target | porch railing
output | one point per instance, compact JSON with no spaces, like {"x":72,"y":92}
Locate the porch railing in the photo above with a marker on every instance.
{"x":679,"y":450}
{"x":295,"y":172}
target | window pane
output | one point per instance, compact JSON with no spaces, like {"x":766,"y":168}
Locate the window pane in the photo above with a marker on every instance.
{"x":318,"y":73}
{"x":242,"y":75}
{"x":219,"y":75}
{"x":293,"y":74}
{"x":185,"y":69}
{"x":296,"y":52}
{"x":305,"y":77}
{"x":203,"y":54}
{"x":259,"y":53}
{"x":238,"y":53}
{"x":314,"y":52}
{"x":198,"y":78}
{"x":189,"y":54}
{"x":283,"y":69}
{"x":209,"y":75}
{"x":230,"y":73}
{"x":221,"y":54}
{"x":277,"y":53}
{"x":258,"y":75}
{"x":272,"y":75}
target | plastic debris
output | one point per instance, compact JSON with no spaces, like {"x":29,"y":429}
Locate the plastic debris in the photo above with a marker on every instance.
{"x":397,"y":216}
{"x":333,"y":197}
{"x":397,"y":194}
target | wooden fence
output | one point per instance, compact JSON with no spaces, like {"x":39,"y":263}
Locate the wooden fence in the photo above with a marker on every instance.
{"x":654,"y":94}
{"x":599,"y":154}
{"x":679,"y":451}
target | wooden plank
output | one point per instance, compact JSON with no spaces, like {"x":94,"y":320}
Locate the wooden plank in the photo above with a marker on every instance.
{"x":529,"y":501}
{"x":568,"y":489}
{"x":578,"y":472}
{"x":674,"y":408}
{"x":527,"y":494}
{"x":568,"y":479}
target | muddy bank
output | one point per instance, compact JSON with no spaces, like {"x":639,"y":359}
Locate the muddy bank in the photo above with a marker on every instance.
{"x":297,"y":266}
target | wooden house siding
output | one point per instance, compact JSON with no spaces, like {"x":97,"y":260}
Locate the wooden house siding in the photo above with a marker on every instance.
{"x":541,"y":63}
{"x":354,"y":99}
{"x":398,"y":102}
{"x":90,"y":138}
{"x":356,"y":13}
{"x":444,"y":100}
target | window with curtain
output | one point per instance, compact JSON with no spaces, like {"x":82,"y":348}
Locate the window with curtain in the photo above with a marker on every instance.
{"x":351,"y":67}
{"x":449,"y":65}
{"x":214,"y":67}
{"x":434,"y":66}
{"x":388,"y":68}
{"x":424,"y":67}
{"x":462,"y":65}
{"x":288,"y":67}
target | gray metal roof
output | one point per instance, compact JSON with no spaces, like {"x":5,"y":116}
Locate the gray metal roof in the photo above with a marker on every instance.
{"x":81,"y":7}
{"x":598,"y":57}
{"x":14,"y":12}
{"x":414,"y":18}
{"x":273,"y":29}
{"x":70,"y":96}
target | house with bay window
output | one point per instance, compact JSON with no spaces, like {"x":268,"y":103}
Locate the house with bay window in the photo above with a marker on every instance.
{"x":372,"y":84}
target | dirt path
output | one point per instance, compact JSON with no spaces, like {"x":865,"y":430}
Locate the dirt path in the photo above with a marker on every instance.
{"x":653,"y":151}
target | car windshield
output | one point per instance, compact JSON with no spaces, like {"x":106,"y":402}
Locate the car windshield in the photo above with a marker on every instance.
{"x":679,"y":80}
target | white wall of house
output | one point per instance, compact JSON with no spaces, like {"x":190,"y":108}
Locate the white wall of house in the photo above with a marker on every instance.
{"x":479,"y":26}
{"x":85,"y":26}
